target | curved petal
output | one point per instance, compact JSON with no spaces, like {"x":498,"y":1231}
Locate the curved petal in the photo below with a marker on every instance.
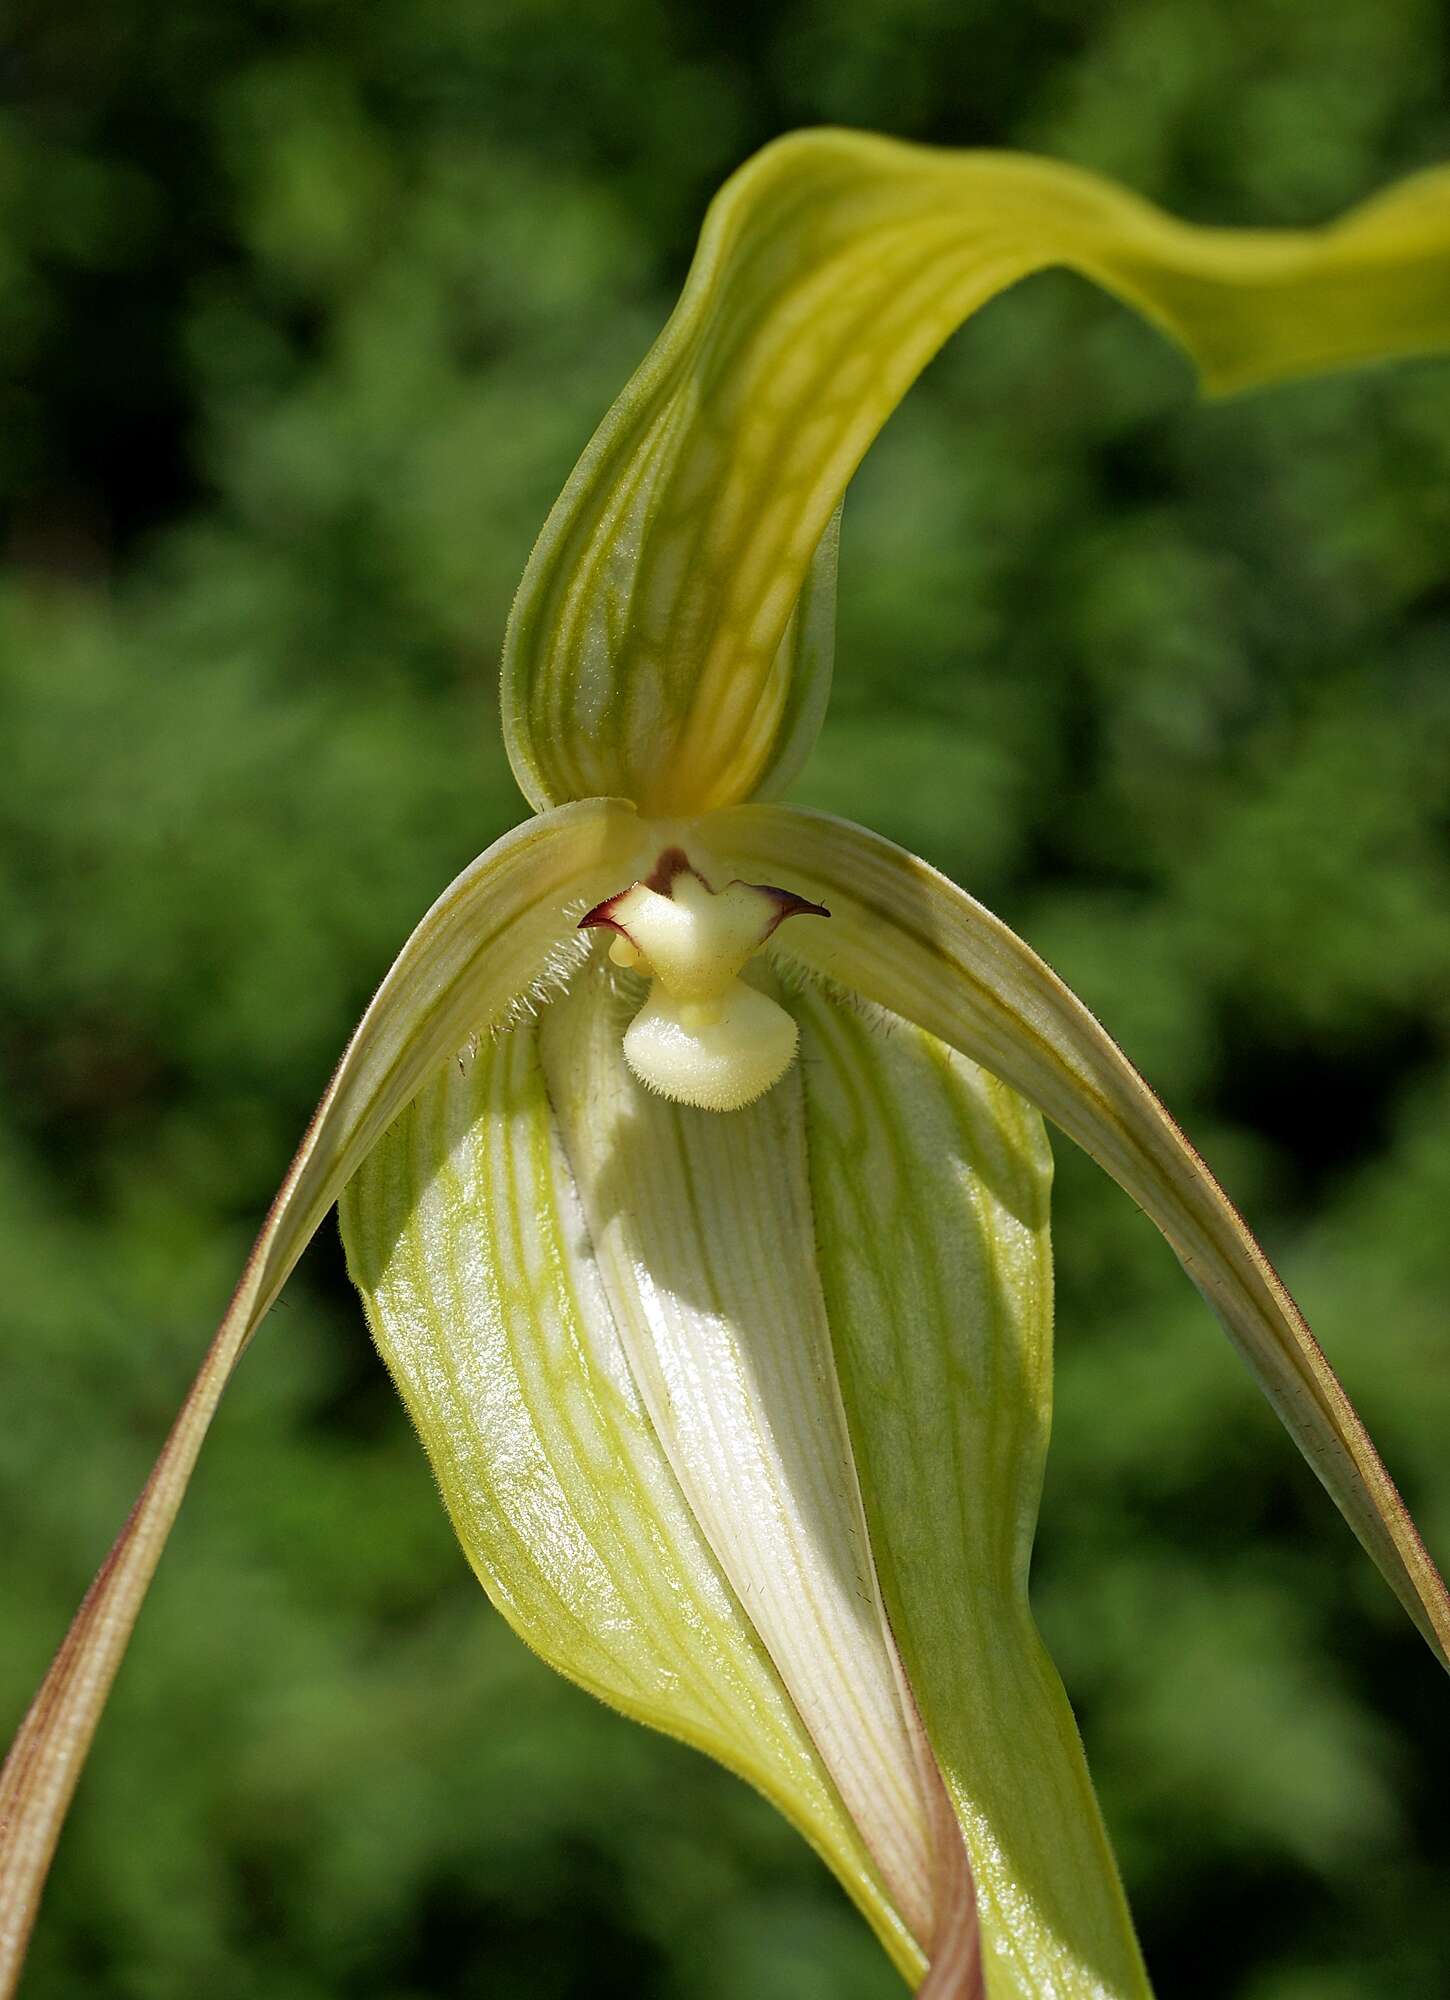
{"x":701,"y":1222}
{"x":476,"y":952}
{"x":484,"y":1293}
{"x":930,"y":1181}
{"x":804,"y":662}
{"x":647,"y":654}
{"x":909,"y":939}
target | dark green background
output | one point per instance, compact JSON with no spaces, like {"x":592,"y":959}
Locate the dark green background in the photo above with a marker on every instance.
{"x":305,"y":312}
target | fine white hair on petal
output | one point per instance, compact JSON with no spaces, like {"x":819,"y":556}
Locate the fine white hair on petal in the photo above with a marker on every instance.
{"x":564,"y":959}
{"x":797,"y":977}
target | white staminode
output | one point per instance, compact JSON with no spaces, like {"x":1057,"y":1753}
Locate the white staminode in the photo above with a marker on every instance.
{"x":703,"y":1037}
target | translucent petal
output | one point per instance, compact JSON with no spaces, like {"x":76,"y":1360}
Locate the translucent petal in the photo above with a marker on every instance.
{"x":930,"y":1181}
{"x":702,"y":1226}
{"x":465,"y":1235}
{"x":906,"y":937}
{"x":670,"y":642}
{"x":485,"y":940}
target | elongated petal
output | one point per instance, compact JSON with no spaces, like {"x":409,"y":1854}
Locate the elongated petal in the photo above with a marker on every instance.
{"x":652,"y":652}
{"x":465,"y":1236}
{"x":702,"y":1226}
{"x":477,"y":950}
{"x":930,"y":1182}
{"x":908,"y":938}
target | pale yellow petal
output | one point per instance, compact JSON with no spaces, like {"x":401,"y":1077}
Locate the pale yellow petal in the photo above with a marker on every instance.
{"x":476,"y":951}
{"x":905,"y":936}
{"x":466,"y":1237}
{"x":701,"y":1222}
{"x":930,"y":1181}
{"x":671,"y":640}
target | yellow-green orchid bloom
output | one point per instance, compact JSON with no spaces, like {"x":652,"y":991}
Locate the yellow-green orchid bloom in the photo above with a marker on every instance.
{"x":690,"y":1157}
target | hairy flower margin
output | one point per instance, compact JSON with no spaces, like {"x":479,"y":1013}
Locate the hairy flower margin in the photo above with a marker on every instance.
{"x":735,"y":1368}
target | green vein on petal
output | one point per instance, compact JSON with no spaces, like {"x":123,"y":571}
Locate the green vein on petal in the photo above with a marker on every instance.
{"x":651,"y":652}
{"x":701,"y":1222}
{"x":930,"y":1181}
{"x":465,"y":1237}
{"x":906,"y":937}
{"x":480,"y":946}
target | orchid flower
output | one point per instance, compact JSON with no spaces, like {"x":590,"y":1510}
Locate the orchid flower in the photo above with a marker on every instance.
{"x":691,"y":1157}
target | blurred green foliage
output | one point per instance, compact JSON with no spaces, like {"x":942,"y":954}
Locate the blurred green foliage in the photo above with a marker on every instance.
{"x":305,"y":311}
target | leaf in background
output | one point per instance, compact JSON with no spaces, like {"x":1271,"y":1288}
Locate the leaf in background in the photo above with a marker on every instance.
{"x":649,"y":654}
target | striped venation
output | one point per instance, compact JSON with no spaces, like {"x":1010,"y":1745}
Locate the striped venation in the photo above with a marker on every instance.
{"x":575,"y":612}
{"x":815,"y":382}
{"x":740,"y":497}
{"x":482,"y":943}
{"x":464,"y":1235}
{"x":799,"y":685}
{"x":606,"y":681}
{"x":930,"y":1181}
{"x":581,"y":703}
{"x":644,"y":654}
{"x":702,"y":1226}
{"x":908,"y":938}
